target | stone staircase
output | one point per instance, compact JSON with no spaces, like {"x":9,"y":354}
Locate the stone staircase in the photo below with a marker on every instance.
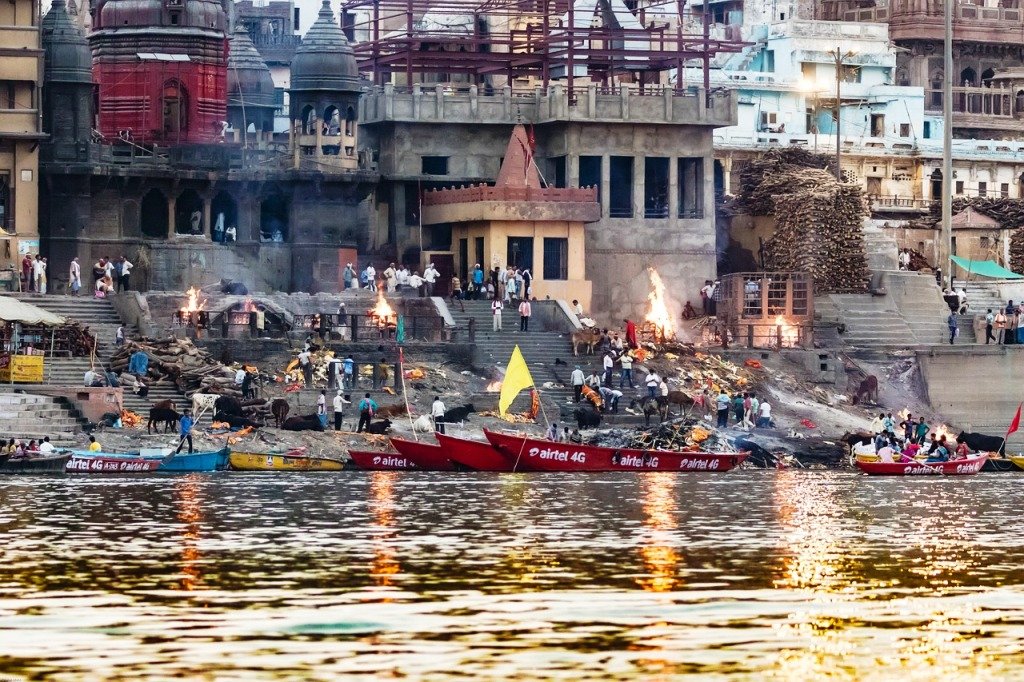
{"x":881,"y":248}
{"x":102,"y":319}
{"x":539,"y":348}
{"x":27,"y":416}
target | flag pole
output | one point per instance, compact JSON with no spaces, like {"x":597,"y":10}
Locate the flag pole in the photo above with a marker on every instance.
{"x":405,"y":393}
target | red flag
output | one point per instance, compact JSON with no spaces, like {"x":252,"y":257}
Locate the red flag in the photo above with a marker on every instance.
{"x":1015,"y":424}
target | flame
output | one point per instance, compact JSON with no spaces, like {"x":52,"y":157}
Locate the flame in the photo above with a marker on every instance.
{"x":194,"y":304}
{"x":658,"y":314}
{"x":248,"y":306}
{"x":790,"y":334}
{"x":494,"y":387}
{"x":382,"y":310}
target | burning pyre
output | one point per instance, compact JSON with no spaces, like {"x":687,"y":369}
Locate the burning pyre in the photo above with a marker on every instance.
{"x":658,"y":314}
{"x":382,"y":314}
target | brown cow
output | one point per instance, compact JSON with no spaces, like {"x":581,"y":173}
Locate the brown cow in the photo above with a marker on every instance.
{"x":680,"y":398}
{"x":163,"y":405}
{"x":587,"y":338}
{"x":868,"y":388}
{"x":279,"y":408}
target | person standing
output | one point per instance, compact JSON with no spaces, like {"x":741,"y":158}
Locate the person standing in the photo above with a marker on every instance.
{"x":577,"y":380}
{"x":391,"y":275}
{"x":723,"y":403}
{"x":652,"y":381}
{"x":339,"y":409}
{"x":951,"y":323}
{"x":39,"y":274}
{"x":27,"y":273}
{"x":116,"y":273}
{"x":367,"y":408}
{"x":1000,"y":325}
{"x":416,"y":282}
{"x":626,"y":374}
{"x":371,"y":277}
{"x":430,"y":276}
{"x":126,"y":273}
{"x":437,"y":411}
{"x":119,"y":337}
{"x":349,"y":276}
{"x":989,"y":322}
{"x":75,"y":276}
{"x":348,"y":366}
{"x":185,"y":430}
{"x":737,"y":407}
{"x":496,"y":313}
{"x":764,"y":415}
{"x":321,"y":408}
{"x":306,"y":365}
{"x":631,"y":339}
{"x":705,"y":297}
{"x":525,"y":310}
{"x":608,"y":363}
{"x":478,"y":280}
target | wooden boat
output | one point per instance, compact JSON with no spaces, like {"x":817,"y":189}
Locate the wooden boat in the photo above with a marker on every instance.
{"x":213,"y":460}
{"x":956,"y":467}
{"x":545,"y":455}
{"x":88,"y":462}
{"x":426,"y":456}
{"x":293,"y":460}
{"x":371,"y":460}
{"x":54,"y":463}
{"x":995,"y":463}
{"x":477,"y":455}
{"x":1017,"y":460}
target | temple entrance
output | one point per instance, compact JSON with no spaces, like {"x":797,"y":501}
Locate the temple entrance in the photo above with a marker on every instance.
{"x":274,"y":219}
{"x":175,"y":103}
{"x":224,"y":210}
{"x":188,"y":213}
{"x":153,"y":215}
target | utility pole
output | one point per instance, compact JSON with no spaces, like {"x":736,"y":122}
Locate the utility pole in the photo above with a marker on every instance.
{"x":945,"y":249}
{"x":840,"y":57}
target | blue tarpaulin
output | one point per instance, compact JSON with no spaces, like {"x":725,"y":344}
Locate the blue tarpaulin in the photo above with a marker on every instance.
{"x":985,"y":268}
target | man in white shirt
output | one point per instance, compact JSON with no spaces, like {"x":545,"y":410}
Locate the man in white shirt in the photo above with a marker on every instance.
{"x":306,"y":365}
{"x":437,"y":411}
{"x":627,"y":370}
{"x":577,"y":379}
{"x":46,"y":446}
{"x":652,"y":381}
{"x":496,"y":313}
{"x":525,"y":310}
{"x":403,"y":277}
{"x":371,"y":277}
{"x":609,"y":363}
{"x":415,"y":281}
{"x":239,"y":376}
{"x":430,"y":277}
{"x":126,"y":271}
{"x":339,"y":409}
{"x":764,"y":415}
{"x":321,"y":408}
{"x":39,"y":274}
{"x":75,"y":275}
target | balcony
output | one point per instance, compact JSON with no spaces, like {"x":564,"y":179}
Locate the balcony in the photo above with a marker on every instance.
{"x":987,"y":108}
{"x":19,"y":122}
{"x":916,"y":20}
{"x":898,"y":204}
{"x":19,"y":37}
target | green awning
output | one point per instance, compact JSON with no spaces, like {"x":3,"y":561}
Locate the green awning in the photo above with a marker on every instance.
{"x":986,"y":268}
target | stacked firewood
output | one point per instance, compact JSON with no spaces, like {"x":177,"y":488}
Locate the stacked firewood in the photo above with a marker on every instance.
{"x":70,"y":336}
{"x":180,"y":361}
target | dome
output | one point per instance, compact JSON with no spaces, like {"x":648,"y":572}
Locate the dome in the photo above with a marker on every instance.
{"x":67,"y":57}
{"x":324,"y":59}
{"x":249,"y":81}
{"x":208,"y":14}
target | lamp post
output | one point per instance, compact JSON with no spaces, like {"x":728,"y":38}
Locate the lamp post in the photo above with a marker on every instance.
{"x":839,"y":57}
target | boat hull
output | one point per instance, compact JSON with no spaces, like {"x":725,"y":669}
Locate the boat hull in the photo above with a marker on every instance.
{"x":426,"y":456}
{"x":215,"y":460}
{"x":370,"y":460}
{"x":956,"y":467}
{"x":109,"y":463}
{"x":1000,"y":465}
{"x":255,"y":461}
{"x":477,"y":455}
{"x":1018,"y":461}
{"x":543,"y":455}
{"x":51,"y":464}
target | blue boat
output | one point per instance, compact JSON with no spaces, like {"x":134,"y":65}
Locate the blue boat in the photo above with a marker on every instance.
{"x":156,"y":459}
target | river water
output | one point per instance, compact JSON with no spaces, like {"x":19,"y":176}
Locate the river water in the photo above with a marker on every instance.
{"x":751,"y":575}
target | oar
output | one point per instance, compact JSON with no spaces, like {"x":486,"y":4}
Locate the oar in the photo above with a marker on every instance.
{"x":181,"y":440}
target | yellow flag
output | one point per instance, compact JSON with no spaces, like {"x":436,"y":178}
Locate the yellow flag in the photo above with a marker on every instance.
{"x":517,"y":377}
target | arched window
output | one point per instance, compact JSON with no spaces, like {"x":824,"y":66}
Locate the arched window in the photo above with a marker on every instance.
{"x":188,"y":213}
{"x":986,"y":77}
{"x":175,"y":103}
{"x":308,"y":120}
{"x":968,"y":77}
{"x":936,"y":89}
{"x":332,"y":121}
{"x":350,"y":121}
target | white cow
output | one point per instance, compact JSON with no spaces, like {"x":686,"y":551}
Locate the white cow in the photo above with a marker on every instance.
{"x":203,"y":401}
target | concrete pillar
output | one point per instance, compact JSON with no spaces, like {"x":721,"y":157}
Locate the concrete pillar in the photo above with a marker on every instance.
{"x":639,"y":186}
{"x":417,"y":100}
{"x":170,"y":217}
{"x":439,"y":97}
{"x":572,"y":170}
{"x":474,"y":101}
{"x":207,"y":213}
{"x":606,"y":180}
{"x":673,"y":189}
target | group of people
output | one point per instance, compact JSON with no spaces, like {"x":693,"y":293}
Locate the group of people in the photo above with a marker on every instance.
{"x":17,"y":448}
{"x":907,"y":440}
{"x":506,"y":285}
{"x":393,"y":279}
{"x":749,"y":411}
{"x":564,"y":435}
{"x":33,"y":273}
{"x":1005,"y":325}
{"x":108,"y":275}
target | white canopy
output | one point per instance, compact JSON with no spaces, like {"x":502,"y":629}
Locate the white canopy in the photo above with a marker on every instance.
{"x":13,"y":310}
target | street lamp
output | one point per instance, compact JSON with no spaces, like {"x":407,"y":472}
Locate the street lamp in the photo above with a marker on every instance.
{"x":839,"y":57}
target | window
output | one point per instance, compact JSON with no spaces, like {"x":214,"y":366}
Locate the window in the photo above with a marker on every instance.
{"x":434,"y":165}
{"x":958,"y":188}
{"x":807,"y":71}
{"x":904,"y":130}
{"x":927,"y":130}
{"x":621,"y":187}
{"x":691,"y":187}
{"x":983,"y":243}
{"x":982,"y":189}
{"x":6,"y":210}
{"x":520,"y":252}
{"x":558,"y":172}
{"x":556,"y":258}
{"x":877,"y":125}
{"x":656,"y":187}
{"x":279,"y":101}
{"x":769,"y":61}
{"x":590,"y":173}
{"x":1004,"y":190}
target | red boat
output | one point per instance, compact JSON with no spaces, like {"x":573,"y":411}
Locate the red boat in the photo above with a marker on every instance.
{"x":426,"y":456}
{"x":374,"y":460}
{"x":477,"y":454}
{"x":956,"y":467}
{"x":544,"y":455}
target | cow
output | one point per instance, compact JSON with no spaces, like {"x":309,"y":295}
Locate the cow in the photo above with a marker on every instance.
{"x":859,"y":438}
{"x":279,"y":408}
{"x":236,"y":422}
{"x":587,"y":338}
{"x":979,"y":442}
{"x":162,"y":415}
{"x":310,"y":422}
{"x":457,"y":414}
{"x":227,"y":404}
{"x":163,"y":405}
{"x":867,"y":389}
{"x":423,"y":423}
{"x":202,"y":402}
{"x":396,"y":410}
{"x":380,"y":427}
{"x":681,"y":398}
{"x":587,"y":417}
{"x":650,"y":407}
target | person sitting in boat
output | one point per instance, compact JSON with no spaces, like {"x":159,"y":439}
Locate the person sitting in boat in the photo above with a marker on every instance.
{"x":881,"y":440}
{"x":32,"y":447}
{"x":933,"y":445}
{"x":910,"y":452}
{"x":963,"y":451}
{"x":10,"y":448}
{"x":575,"y":437}
{"x":941,"y":454}
{"x":552,"y":433}
{"x":46,"y":447}
{"x":885,"y":453}
{"x":94,"y":445}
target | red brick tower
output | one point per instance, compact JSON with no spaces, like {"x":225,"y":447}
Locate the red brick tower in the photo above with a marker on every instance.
{"x":161,"y":69}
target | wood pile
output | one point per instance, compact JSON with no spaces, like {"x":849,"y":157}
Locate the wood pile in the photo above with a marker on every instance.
{"x":71,"y":337}
{"x":180,"y":361}
{"x":918,"y":262}
{"x":818,"y":219}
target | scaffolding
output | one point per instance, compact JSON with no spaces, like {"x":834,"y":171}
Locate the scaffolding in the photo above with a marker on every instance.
{"x":596,"y":41}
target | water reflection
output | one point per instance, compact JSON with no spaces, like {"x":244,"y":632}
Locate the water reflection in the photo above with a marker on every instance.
{"x":657,"y":549}
{"x":189,"y":502}
{"x":382,"y":508}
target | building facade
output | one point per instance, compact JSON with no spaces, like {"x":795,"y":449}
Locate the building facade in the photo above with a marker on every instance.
{"x":21,"y":71}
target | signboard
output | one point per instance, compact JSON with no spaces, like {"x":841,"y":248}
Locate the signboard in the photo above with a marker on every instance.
{"x":26,"y":369}
{"x":26,"y":246}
